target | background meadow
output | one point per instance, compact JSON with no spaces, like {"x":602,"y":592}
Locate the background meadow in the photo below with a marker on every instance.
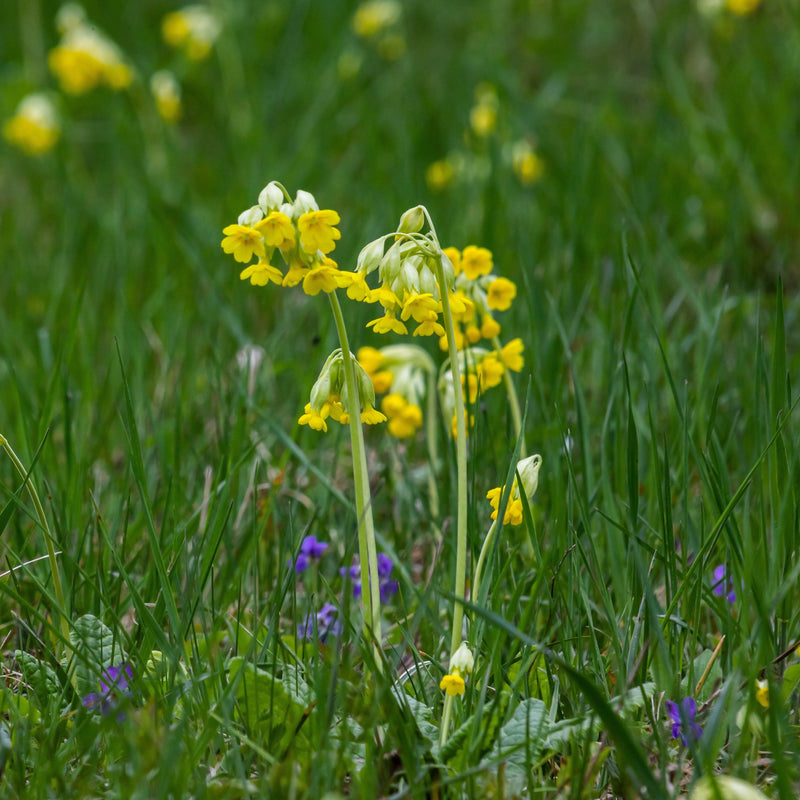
{"x":634,"y":169}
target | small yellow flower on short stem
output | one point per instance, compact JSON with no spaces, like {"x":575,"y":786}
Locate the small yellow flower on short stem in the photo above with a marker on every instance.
{"x":476,"y":261}
{"x":261,"y":274}
{"x":762,"y":693}
{"x":500,"y":293}
{"x":511,"y":355}
{"x":277,"y":230}
{"x":452,"y":684}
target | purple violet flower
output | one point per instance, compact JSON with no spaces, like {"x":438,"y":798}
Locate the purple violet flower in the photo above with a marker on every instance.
{"x":310,"y":550}
{"x":723,"y":584}
{"x":114,"y":684}
{"x":386,"y":586}
{"x":324,"y":622}
{"x":682,"y":716}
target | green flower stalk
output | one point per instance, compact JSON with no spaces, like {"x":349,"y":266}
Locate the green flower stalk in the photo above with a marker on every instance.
{"x":61,"y":610}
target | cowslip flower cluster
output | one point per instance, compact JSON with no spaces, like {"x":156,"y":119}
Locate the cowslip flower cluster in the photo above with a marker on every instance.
{"x":402,"y":373}
{"x":480,"y":293}
{"x":388,"y":586}
{"x":35,"y":127}
{"x":166,"y":92}
{"x":85,"y":58}
{"x":192,"y":30}
{"x":298,"y":233}
{"x":528,"y":472}
{"x":682,"y":717}
{"x":329,"y":397}
{"x":114,"y":685}
{"x":461,"y":665}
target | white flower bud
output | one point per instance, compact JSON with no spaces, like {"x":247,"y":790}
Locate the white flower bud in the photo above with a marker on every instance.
{"x":271,"y":197}
{"x":251,"y":216}
{"x":528,"y":470}
{"x":462,"y":660}
{"x":370,"y":257}
{"x":304,"y":202}
{"x":390,"y":265}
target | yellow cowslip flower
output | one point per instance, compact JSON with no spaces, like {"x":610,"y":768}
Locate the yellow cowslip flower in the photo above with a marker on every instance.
{"x":261,"y":274}
{"x":762,"y":693}
{"x":243,"y":242}
{"x":385,"y":296}
{"x":167,"y":93}
{"x":489,"y":327}
{"x":470,"y":380}
{"x":371,"y":416}
{"x":324,"y":277}
{"x":34,"y":128}
{"x":490,"y":372}
{"x":192,"y":29}
{"x":472,"y":334}
{"x":420,"y":307}
{"x":476,"y":261}
{"x":406,"y":422}
{"x":393,"y":404}
{"x":359,"y":288}
{"x":373,"y":17}
{"x":439,"y":175}
{"x":277,"y":230}
{"x":511,"y":355}
{"x":454,"y":254}
{"x":430,"y":327}
{"x":461,"y":307}
{"x":297,"y":271}
{"x":500,"y":293}
{"x":313,"y":419}
{"x":317,"y":231}
{"x":453,"y":685}
{"x":388,"y":322}
{"x":382,"y":380}
{"x":370,"y":358}
{"x":458,"y":336}
{"x":742,"y":7}
{"x":528,"y":470}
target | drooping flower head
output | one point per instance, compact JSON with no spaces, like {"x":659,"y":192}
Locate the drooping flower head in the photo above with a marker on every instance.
{"x":528,"y":471}
{"x":461,"y":665}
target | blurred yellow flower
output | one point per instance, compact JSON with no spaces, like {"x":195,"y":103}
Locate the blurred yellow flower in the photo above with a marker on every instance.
{"x":483,"y":120}
{"x":192,"y":29}
{"x":476,"y":261}
{"x":34,"y":128}
{"x":373,"y":17}
{"x":762,"y":693}
{"x":85,"y":58}
{"x":500,"y":293}
{"x":528,"y":167}
{"x":743,"y":7}
{"x":439,"y":175}
{"x":243,"y":241}
{"x":167,"y":94}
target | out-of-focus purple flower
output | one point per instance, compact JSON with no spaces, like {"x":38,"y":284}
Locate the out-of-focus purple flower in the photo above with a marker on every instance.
{"x":387,"y":586}
{"x":325,"y":623}
{"x":114,"y":684}
{"x":682,"y":716}
{"x":723,"y":584}
{"x":310,"y":550}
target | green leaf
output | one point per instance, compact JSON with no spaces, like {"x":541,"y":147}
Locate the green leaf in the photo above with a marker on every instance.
{"x":95,"y":647}
{"x":38,"y":676}
{"x":271,"y":709}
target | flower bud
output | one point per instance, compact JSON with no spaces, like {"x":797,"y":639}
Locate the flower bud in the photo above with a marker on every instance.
{"x":462,"y":660}
{"x":370,"y":257}
{"x":390,"y":265}
{"x":250,"y":217}
{"x":304,"y":202}
{"x":528,"y":470}
{"x":271,"y":197}
{"x":412,"y":220}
